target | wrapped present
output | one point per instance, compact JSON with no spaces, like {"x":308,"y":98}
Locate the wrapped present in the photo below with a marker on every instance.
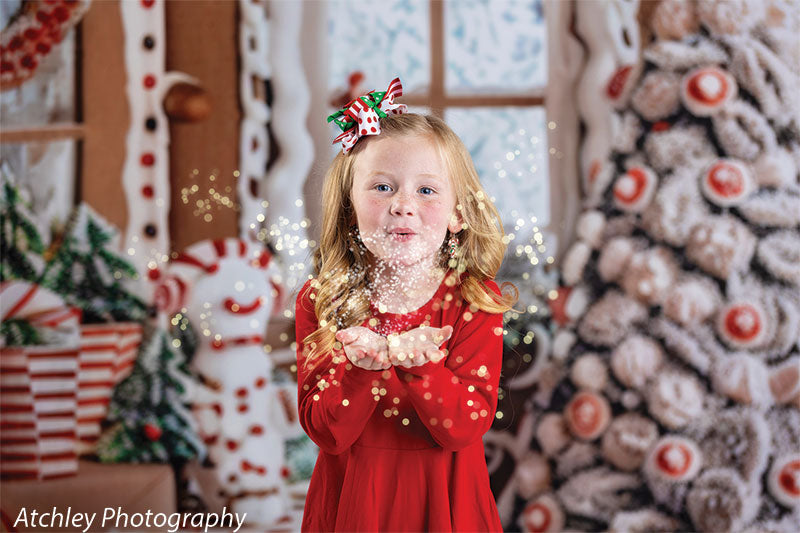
{"x":108,"y":352}
{"x":38,"y":386}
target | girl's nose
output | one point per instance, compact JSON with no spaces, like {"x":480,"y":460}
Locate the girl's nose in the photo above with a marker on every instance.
{"x":402,"y":205}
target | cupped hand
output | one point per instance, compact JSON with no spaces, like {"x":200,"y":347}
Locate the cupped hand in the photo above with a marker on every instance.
{"x":418,"y":346}
{"x":364,"y":348}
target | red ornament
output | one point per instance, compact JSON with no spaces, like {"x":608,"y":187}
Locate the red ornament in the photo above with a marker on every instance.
{"x":152,"y":432}
{"x":743,"y":322}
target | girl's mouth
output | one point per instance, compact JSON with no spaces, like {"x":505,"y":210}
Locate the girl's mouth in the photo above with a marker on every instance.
{"x":402,"y":237}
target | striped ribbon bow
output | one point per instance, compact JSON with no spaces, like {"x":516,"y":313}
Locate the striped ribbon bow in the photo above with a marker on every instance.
{"x":361,"y":116}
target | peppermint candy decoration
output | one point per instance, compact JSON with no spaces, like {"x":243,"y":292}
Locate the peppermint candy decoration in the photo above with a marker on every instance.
{"x":674,"y":459}
{"x":784,"y":480}
{"x":634,"y":189}
{"x":706,"y":90}
{"x":742,"y":324}
{"x":727,"y":182}
{"x":362,"y":116}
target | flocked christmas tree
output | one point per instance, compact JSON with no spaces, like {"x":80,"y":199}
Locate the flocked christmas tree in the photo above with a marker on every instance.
{"x":148,"y":417}
{"x":21,"y":242}
{"x":680,"y":403}
{"x":89,"y":274}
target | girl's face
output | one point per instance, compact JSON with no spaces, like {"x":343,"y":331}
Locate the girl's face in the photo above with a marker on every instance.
{"x":403,"y":199}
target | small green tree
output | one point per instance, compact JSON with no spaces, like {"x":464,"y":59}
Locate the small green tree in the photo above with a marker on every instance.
{"x":21,"y":243}
{"x":89,"y":275}
{"x":149,"y":420}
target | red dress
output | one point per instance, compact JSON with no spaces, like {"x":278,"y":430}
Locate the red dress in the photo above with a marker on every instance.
{"x":405,"y":451}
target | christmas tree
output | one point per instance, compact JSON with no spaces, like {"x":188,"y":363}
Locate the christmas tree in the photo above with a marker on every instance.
{"x":21,"y":241}
{"x":90,"y":275}
{"x":679,"y":402}
{"x":148,"y":417}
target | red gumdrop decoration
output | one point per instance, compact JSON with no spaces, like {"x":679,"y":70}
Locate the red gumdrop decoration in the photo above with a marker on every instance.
{"x":256,"y":429}
{"x":147,"y":191}
{"x":231,"y":445}
{"x":152,"y":432}
{"x":148,"y":160}
{"x":241,"y":392}
{"x":260,"y":382}
{"x":149,"y":81}
{"x":242,"y":408}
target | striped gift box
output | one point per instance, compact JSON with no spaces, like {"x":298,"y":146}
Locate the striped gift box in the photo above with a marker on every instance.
{"x":39,"y":408}
{"x":108,"y":352}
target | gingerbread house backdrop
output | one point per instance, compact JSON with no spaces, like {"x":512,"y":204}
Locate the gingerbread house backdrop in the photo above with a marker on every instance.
{"x":161,"y":157}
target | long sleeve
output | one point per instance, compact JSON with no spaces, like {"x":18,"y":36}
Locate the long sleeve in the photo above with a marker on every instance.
{"x":456,"y":398}
{"x":334,"y":399}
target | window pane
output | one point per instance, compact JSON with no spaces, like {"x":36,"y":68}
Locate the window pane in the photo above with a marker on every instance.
{"x":46,"y":170}
{"x":495,"y":46}
{"x":383,"y":39}
{"x":49,"y":96}
{"x":509,"y":148}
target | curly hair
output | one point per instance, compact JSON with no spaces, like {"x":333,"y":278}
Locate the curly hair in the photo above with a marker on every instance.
{"x":340,"y":262}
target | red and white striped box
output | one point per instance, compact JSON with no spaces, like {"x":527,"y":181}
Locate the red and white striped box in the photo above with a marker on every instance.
{"x":130,"y":338}
{"x":54,"y":384}
{"x":19,"y":453}
{"x":39,"y":407}
{"x":95,"y":380}
{"x":108,"y":353}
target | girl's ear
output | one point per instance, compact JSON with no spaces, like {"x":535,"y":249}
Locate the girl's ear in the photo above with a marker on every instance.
{"x":455,"y":222}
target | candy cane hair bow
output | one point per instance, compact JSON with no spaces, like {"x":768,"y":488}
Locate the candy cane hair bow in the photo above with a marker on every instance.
{"x":362,"y":116}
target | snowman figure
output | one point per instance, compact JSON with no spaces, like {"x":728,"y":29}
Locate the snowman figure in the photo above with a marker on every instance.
{"x":225,"y":289}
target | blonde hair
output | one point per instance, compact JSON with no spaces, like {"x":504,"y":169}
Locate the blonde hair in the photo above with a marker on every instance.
{"x":341,"y":261}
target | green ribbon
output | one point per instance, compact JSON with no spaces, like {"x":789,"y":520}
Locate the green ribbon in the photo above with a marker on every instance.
{"x":372,"y":100}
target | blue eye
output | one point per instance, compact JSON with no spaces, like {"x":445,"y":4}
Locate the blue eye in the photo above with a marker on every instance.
{"x":427,"y":188}
{"x":382,"y":185}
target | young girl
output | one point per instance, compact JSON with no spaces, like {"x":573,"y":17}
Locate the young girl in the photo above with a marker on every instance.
{"x":399,"y":335}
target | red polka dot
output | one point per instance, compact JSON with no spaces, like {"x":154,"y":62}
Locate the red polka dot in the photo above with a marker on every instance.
{"x":363,"y":132}
{"x":260,"y":382}
{"x":218,"y":344}
{"x":28,"y":62}
{"x":148,"y":3}
{"x":360,"y":120}
{"x":262,"y":470}
{"x":241,"y":392}
{"x":245,"y":465}
{"x":211,"y":440}
{"x":242,"y":408}
{"x":153,"y":274}
{"x":42,"y":48}
{"x":149,"y":81}
{"x":256,"y":430}
{"x":217,"y":408}
{"x":369,"y":119}
{"x":148,"y":160}
{"x":42,"y":16}
{"x":147,"y":191}
{"x":285,"y":472}
{"x":231,"y":445}
{"x":232,"y":478}
{"x":61,"y":14}
{"x":31,"y":33}
{"x":373,"y":129}
{"x":15,"y":43}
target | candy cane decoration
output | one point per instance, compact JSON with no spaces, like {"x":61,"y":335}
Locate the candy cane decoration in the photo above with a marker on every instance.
{"x":254,"y":145}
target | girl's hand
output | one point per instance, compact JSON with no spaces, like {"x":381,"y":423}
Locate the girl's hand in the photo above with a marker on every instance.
{"x":364,"y":348}
{"x":418,"y":346}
